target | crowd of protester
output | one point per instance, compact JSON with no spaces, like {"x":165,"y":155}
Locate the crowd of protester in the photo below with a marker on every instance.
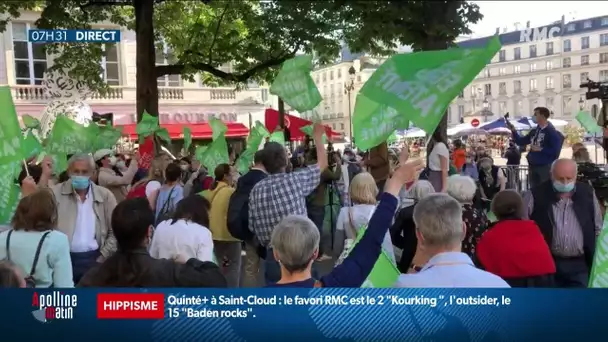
{"x":109,"y":223}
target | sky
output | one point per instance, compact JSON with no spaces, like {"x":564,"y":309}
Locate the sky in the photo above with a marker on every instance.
{"x":539,"y":13}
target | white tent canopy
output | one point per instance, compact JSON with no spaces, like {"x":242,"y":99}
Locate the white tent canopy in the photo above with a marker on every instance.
{"x":464,"y":129}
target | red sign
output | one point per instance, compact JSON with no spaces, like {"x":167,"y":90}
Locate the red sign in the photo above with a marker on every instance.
{"x":475,"y":122}
{"x":146,"y":151}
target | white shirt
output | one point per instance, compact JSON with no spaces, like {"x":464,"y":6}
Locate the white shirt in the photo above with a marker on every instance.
{"x":151,"y":187}
{"x":183,"y":238}
{"x":83,"y":239}
{"x":438,"y":150}
{"x":452,"y":269}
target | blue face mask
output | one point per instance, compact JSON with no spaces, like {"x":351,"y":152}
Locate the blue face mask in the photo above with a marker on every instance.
{"x":80,"y":182}
{"x":533,"y":118}
{"x":563,"y":188}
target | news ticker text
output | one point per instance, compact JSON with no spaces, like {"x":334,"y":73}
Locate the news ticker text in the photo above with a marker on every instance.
{"x":160,"y":306}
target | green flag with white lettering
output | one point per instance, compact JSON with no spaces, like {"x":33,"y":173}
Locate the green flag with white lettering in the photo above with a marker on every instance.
{"x":68,"y":137}
{"x":295,"y":86}
{"x":416,"y":87}
{"x":588,"y":122}
{"x":599,"y":270}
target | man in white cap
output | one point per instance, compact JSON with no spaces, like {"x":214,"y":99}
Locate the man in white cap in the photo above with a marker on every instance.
{"x":109,"y":178}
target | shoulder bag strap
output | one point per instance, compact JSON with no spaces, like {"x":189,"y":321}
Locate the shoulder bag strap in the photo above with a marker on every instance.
{"x":37,"y":256}
{"x":8,"y":243}
{"x":166,"y":204}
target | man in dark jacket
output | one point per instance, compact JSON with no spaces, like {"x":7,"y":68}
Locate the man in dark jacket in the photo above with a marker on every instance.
{"x":545,"y":146}
{"x":569,"y":217}
{"x":252,"y":247}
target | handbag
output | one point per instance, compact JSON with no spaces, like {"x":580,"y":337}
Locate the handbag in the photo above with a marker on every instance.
{"x":349,"y":243}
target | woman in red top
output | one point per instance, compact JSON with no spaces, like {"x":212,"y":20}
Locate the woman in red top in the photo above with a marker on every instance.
{"x":514,"y":249}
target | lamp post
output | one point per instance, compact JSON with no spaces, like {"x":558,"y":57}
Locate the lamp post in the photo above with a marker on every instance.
{"x":349,"y":86}
{"x":486,"y":109}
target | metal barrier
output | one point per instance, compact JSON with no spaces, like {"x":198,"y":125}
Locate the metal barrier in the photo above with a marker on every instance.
{"x":517,"y":177}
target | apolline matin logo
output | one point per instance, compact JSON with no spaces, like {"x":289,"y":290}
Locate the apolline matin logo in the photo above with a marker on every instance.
{"x":53,"y":306}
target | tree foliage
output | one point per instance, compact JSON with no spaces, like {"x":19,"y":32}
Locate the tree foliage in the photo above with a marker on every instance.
{"x":255,"y":36}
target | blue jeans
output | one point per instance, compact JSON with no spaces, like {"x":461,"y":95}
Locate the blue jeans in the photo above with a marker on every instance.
{"x":272,"y":269}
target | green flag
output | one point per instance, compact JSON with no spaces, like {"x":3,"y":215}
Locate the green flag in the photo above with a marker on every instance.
{"x":11,"y":194}
{"x":415,"y":87}
{"x":294,"y":85}
{"x":10,"y":133}
{"x":68,"y":137}
{"x":308,"y":131}
{"x":147,"y":126}
{"x":30,"y":122}
{"x":599,"y":270}
{"x":187,"y":139}
{"x":384,"y":274}
{"x":255,"y":138}
{"x":104,"y":136}
{"x":587,"y":121}
{"x":218,"y":127}
{"x":30,"y":145}
{"x":278,"y":137}
{"x":392,"y":138}
{"x":199,"y":152}
{"x":215,"y":154}
{"x":244,"y":162}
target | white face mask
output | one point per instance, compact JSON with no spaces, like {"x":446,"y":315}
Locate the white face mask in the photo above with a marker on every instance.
{"x":121,"y":165}
{"x":112,"y":160}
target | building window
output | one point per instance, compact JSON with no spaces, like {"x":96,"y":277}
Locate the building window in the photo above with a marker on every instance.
{"x":605,"y":21}
{"x":584,"y":43}
{"x":341,"y":126}
{"x":517,"y":53}
{"x":109,"y":63}
{"x":461,"y":95}
{"x":566,"y":62}
{"x":567,"y":100}
{"x":604,"y":39}
{"x":449,"y":109}
{"x":317,"y":79}
{"x":532,"y":51}
{"x":549,"y":82}
{"x":502,"y":71}
{"x":165,"y":56}
{"x":567,"y":45}
{"x":30,"y":58}
{"x":603,"y":75}
{"x":532,"y":67}
{"x":517,"y":87}
{"x":516,"y":69}
{"x":487,"y":89}
{"x":604,"y":57}
{"x":339,"y":73}
{"x":585,"y":60}
{"x":549,"y":48}
{"x":549,"y":103}
{"x":331,"y":75}
{"x":584,"y":77}
{"x":587,"y":24}
{"x":486,"y":72}
{"x":567,"y":81}
{"x":502,"y":107}
{"x":460,"y":112}
{"x":519,"y":107}
{"x":502,"y":88}
{"x":502,"y":56}
{"x":549,"y":65}
{"x":533,"y":104}
{"x":532,"y":84}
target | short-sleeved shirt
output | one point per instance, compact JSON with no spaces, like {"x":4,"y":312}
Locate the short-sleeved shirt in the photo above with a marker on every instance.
{"x":278,"y":196}
{"x":438,"y":150}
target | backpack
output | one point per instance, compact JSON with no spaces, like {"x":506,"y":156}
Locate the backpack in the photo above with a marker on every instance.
{"x":238,"y":216}
{"x":138,"y":191}
{"x":166,"y":211}
{"x":30,"y":281}
{"x":201,"y":183}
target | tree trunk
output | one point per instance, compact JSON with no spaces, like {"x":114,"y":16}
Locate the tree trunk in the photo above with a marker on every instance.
{"x":147,"y":87}
{"x":281,"y":114}
{"x":435,"y":43}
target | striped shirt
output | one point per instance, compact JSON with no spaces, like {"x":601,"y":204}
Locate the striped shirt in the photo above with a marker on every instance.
{"x":567,"y":232}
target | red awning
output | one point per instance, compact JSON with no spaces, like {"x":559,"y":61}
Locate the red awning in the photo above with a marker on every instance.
{"x":199,"y":131}
{"x":294,"y":124}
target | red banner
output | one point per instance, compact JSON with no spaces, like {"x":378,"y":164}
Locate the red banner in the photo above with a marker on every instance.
{"x":146,"y":151}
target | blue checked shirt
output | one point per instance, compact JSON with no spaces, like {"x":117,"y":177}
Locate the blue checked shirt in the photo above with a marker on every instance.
{"x":280,"y":195}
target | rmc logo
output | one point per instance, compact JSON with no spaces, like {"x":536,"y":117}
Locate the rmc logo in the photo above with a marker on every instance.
{"x":536,"y":34}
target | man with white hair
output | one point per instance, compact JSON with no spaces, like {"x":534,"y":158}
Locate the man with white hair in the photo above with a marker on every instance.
{"x":85,"y":214}
{"x":569,"y":217}
{"x":440,"y":231}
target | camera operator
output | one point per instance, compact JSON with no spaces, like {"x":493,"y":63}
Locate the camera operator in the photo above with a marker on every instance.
{"x":545,"y":146}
